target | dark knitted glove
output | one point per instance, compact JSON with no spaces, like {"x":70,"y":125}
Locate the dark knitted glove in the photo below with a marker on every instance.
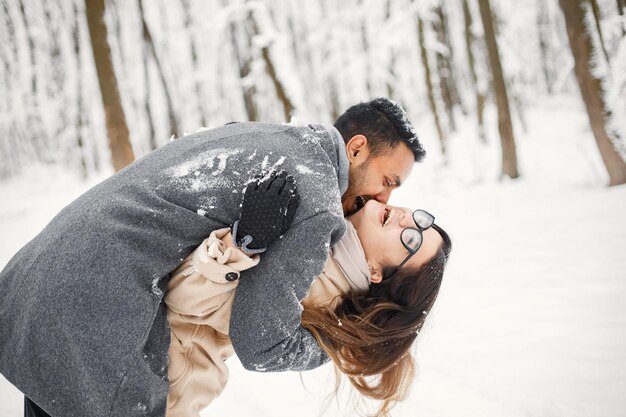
{"x":268,"y":208}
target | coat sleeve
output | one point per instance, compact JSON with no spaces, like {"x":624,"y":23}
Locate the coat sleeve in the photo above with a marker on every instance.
{"x":265,"y":323}
{"x":199,"y":301}
{"x":204,"y":283}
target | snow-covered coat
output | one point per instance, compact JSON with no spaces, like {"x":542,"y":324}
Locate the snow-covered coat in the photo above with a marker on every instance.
{"x":83,"y":329}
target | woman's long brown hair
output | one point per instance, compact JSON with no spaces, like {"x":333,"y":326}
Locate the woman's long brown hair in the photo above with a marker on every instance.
{"x":369,"y":335}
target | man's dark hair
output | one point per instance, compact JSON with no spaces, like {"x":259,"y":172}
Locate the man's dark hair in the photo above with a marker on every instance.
{"x":384,"y":123}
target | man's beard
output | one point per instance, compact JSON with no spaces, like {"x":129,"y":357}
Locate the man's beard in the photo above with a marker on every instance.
{"x":356,"y":180}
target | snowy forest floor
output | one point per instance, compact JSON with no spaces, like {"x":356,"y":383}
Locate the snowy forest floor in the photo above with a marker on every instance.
{"x":531,"y":318}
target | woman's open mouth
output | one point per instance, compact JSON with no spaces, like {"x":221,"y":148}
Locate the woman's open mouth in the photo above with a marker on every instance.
{"x":387,"y":216}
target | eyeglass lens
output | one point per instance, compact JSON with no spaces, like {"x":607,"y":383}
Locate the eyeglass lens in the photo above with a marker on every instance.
{"x":412,"y":239}
{"x":423,"y":219}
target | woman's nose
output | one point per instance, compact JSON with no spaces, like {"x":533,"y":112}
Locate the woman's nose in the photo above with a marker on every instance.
{"x":407,"y":219}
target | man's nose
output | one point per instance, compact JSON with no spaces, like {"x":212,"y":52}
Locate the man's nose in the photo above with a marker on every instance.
{"x":383,"y":196}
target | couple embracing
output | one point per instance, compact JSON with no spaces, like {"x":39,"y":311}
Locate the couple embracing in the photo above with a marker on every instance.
{"x":271,"y":242}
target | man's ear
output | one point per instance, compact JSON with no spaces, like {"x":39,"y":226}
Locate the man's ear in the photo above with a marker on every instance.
{"x":357,"y":149}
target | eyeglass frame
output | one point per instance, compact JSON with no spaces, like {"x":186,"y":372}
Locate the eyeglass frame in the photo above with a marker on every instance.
{"x":411,"y":251}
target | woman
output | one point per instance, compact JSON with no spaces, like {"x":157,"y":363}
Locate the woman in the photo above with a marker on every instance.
{"x":365,"y":309}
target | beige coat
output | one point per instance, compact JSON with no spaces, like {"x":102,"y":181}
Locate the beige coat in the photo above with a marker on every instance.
{"x":199,"y":301}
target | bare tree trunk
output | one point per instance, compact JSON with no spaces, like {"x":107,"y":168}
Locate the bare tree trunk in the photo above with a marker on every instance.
{"x":293,"y":35}
{"x":505,"y":127}
{"x":392,"y":60}
{"x":245,"y":66}
{"x":55,"y":83}
{"x":57,"y":71}
{"x":542,"y":23}
{"x":115,"y":35}
{"x":469,"y":45}
{"x":449,"y":91}
{"x":443,"y":70}
{"x":147,"y":38}
{"x":35,"y":130}
{"x":56,"y":80}
{"x":304,"y":58}
{"x":596,"y":17}
{"x":94,"y":155}
{"x":11,"y":56}
{"x":591,"y":88}
{"x":10,"y":27}
{"x":79,"y":93}
{"x":333,"y":78}
{"x":146,"y":104}
{"x":146,"y":79}
{"x":117,"y":130}
{"x":620,"y":10}
{"x":9,"y":153}
{"x":391,"y":93}
{"x":21,"y":139}
{"x":288,"y":106}
{"x":189,"y":25}
{"x":366,"y":51}
{"x":429,"y":84}
{"x":31,"y":49}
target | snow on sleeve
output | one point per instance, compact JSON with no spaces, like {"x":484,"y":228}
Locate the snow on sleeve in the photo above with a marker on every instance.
{"x":310,"y":137}
{"x":202,"y":173}
{"x":155,"y":286}
{"x":209,"y":204}
{"x":265,"y":169}
{"x":302,"y":169}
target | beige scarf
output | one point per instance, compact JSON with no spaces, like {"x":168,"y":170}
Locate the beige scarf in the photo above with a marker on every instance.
{"x":349,"y":255}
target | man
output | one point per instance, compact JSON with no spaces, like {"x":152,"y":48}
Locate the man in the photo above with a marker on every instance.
{"x":83,"y":326}
{"x":381,"y":148}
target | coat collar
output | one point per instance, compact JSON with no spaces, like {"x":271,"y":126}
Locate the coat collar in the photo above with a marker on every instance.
{"x":343,"y":164}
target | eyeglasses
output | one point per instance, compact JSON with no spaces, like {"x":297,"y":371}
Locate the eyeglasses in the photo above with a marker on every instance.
{"x":412,"y":237}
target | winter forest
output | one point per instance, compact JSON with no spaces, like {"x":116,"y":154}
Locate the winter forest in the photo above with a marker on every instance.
{"x":521,"y":106}
{"x":166,"y":68}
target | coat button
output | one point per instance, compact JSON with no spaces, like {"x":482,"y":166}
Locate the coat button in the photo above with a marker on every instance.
{"x":231,"y":276}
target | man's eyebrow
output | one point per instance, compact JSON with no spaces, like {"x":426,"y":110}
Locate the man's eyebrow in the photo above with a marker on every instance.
{"x":397,"y":180}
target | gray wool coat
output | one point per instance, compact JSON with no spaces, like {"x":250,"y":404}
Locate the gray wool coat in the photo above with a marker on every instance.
{"x":83,"y":329}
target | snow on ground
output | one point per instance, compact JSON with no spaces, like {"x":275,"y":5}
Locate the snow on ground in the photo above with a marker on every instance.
{"x":531,"y":318}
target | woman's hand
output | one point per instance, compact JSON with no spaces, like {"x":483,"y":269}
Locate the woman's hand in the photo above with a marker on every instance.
{"x":267,"y":210}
